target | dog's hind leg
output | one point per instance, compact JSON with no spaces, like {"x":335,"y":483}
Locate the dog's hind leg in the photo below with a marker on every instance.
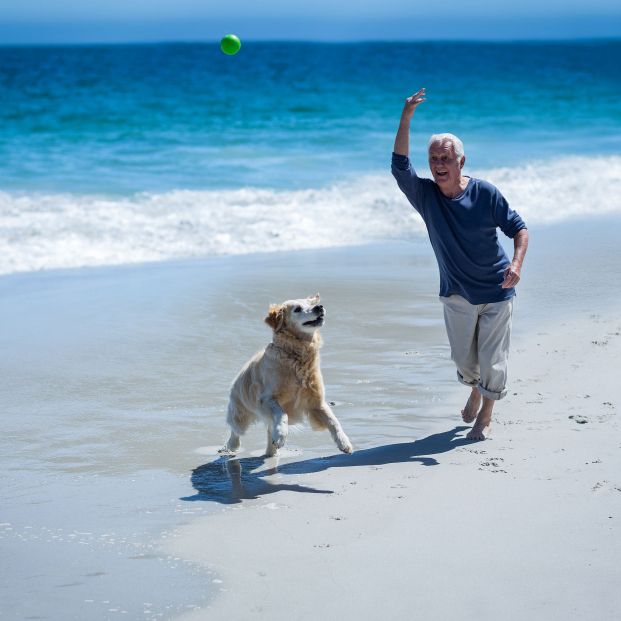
{"x":278,"y":425}
{"x":239,"y":422}
{"x":232,"y":444}
{"x":323,"y":418}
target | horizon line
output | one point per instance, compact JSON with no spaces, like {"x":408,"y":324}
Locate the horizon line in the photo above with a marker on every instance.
{"x":248,"y":40}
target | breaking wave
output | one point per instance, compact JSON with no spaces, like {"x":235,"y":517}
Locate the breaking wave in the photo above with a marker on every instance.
{"x":48,"y":231}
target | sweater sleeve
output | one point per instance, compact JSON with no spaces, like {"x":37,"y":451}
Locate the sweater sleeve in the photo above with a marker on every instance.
{"x":408,"y":181}
{"x":509,"y":221}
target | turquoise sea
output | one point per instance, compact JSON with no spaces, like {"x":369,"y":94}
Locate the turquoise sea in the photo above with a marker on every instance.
{"x":114,"y":382}
{"x":131,"y":153}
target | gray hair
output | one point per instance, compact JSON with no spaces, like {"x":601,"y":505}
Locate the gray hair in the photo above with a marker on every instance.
{"x":458,"y":145}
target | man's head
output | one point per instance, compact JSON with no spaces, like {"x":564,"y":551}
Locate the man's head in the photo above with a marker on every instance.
{"x":446,"y":160}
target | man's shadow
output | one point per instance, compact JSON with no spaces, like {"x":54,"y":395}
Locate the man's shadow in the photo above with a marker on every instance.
{"x":229,"y":480}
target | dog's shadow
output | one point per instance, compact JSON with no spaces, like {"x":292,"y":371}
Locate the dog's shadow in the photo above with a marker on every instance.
{"x":229,"y":480}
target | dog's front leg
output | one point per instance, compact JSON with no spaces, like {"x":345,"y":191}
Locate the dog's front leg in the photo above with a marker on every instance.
{"x":325,"y":417}
{"x":279,"y":423}
{"x":271,"y":449}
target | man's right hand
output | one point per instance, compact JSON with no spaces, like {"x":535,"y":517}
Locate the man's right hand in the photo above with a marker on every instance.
{"x":411,"y":103}
{"x":402,"y":140}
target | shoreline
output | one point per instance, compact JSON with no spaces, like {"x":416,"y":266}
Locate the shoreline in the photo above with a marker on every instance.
{"x":400,"y":528}
{"x":524,"y":524}
{"x":116,"y":384}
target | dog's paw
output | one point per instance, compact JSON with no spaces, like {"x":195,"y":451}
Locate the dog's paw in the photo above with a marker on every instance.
{"x":278,"y":441}
{"x":225,"y":450}
{"x":279,"y":436}
{"x":344,"y":444}
{"x":271,"y":451}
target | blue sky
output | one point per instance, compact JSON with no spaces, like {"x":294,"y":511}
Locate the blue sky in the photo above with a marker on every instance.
{"x":73,"y":21}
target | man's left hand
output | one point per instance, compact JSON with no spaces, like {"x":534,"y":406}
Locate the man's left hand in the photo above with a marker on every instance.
{"x":512,"y":275}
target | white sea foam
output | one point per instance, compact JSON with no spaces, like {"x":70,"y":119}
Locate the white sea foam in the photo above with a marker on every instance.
{"x":66,"y":230}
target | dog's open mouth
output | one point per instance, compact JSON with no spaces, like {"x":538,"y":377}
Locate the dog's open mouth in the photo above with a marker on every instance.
{"x":315,"y":322}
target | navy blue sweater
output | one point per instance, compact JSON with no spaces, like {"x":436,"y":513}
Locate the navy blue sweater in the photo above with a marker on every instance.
{"x":463,"y":233}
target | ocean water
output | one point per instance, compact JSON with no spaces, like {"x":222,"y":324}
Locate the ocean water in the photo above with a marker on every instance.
{"x":115,"y":381}
{"x":125,"y":154}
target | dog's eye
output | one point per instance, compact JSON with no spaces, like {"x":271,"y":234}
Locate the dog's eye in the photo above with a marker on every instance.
{"x":297,"y":309}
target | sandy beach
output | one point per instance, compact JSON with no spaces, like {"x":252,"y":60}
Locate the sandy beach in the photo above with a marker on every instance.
{"x":114,"y":384}
{"x":524,"y":525}
{"x":157,"y":195}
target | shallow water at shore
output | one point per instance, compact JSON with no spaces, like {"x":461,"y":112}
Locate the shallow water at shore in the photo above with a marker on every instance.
{"x":114,"y":389}
{"x":115,"y":384}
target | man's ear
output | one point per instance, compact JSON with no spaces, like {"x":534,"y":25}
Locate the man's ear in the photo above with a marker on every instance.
{"x":275,"y":317}
{"x":463,"y":161}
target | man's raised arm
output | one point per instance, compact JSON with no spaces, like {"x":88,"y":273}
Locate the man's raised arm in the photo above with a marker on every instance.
{"x":402,"y":141}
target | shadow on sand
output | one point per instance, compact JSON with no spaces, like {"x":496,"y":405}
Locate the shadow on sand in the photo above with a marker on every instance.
{"x":229,"y":480}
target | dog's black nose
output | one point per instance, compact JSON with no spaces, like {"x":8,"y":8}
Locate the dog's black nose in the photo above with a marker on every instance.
{"x":318,"y":308}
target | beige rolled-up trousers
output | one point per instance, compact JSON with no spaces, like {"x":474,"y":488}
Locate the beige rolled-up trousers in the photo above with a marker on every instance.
{"x":479,"y":335}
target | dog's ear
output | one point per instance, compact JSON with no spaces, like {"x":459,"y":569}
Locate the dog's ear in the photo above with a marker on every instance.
{"x":314,"y":299}
{"x":275,"y":317}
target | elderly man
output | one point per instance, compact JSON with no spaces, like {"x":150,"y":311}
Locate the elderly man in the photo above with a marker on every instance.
{"x":477,"y":279}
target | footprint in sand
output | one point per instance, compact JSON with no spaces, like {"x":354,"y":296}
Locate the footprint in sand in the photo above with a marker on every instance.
{"x":609,"y":412}
{"x":493,"y":465}
{"x":581,"y":420}
{"x":605,"y":486}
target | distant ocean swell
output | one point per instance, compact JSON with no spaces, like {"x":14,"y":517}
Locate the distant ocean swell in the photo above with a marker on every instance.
{"x":49,"y":231}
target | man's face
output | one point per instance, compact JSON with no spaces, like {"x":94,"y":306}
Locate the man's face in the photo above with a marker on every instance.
{"x":444,"y":164}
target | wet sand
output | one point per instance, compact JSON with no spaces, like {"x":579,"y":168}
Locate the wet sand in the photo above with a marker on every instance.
{"x":114,"y":385}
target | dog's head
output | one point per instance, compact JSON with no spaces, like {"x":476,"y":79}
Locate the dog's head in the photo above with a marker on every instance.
{"x":300,"y":317}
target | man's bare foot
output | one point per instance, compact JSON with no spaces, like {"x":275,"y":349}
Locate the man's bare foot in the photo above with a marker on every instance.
{"x":469,"y":413}
{"x":483,"y":424}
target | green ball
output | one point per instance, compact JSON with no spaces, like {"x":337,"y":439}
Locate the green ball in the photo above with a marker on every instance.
{"x":230,"y":44}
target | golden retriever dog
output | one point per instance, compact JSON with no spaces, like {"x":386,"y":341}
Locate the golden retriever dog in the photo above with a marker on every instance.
{"x":282,"y":384}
